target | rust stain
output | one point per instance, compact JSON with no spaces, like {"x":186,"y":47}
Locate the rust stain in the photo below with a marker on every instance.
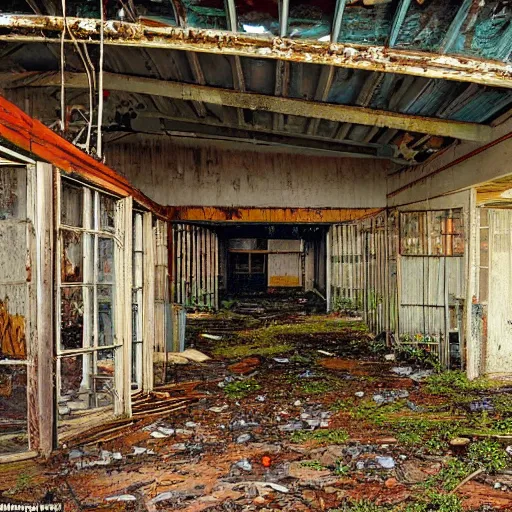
{"x":12,"y":333}
{"x":269,"y":215}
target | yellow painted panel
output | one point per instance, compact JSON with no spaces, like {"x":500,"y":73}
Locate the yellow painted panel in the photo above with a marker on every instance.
{"x":288,"y":281}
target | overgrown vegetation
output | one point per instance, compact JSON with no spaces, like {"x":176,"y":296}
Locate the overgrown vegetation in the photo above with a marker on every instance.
{"x":454,"y":382}
{"x":278,"y":339}
{"x":433,"y":501}
{"x":240,"y":389}
{"x":323,"y":436}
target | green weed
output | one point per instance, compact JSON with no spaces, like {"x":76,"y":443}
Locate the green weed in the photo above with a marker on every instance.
{"x":488,"y":455}
{"x":240,"y":389}
{"x":328,"y":436}
{"x":312,"y":464}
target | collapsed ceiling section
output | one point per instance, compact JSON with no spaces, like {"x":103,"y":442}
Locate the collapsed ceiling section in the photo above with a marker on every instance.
{"x":369,"y":78}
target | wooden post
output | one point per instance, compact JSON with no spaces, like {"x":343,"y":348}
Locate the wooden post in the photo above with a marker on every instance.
{"x":44,"y":223}
{"x":148,"y":295}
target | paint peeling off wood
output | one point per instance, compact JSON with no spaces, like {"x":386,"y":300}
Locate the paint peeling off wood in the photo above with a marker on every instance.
{"x":12,"y":333}
{"x":295,"y":215}
{"x":20,"y":28}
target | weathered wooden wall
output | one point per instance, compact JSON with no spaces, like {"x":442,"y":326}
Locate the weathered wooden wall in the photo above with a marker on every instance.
{"x":195,"y":256}
{"x":208,"y":176}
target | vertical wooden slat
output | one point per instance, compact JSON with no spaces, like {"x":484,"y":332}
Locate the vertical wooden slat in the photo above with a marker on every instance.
{"x":216,"y":273}
{"x":148,"y":295}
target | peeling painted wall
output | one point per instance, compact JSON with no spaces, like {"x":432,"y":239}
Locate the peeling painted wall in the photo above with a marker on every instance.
{"x":180,"y":176}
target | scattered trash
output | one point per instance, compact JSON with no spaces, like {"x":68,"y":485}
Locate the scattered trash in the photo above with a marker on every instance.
{"x":122,"y":497}
{"x":158,"y":435}
{"x":481,"y":405}
{"x":213,"y":337}
{"x":385,"y":462}
{"x":420,"y":375}
{"x":460,"y":441}
{"x":297,"y":403}
{"x":139,"y":450}
{"x":359,"y":394}
{"x":390,"y":396}
{"x":307,"y":374}
{"x":415,"y":408}
{"x":390,"y":357}
{"x":261,"y":398}
{"x":219,"y":409}
{"x":243,"y":464}
{"x":75,"y":454}
{"x":325,"y":353}
{"x":403,"y":371}
{"x":292,"y":426}
{"x":508,"y":449}
{"x":266,"y":461}
{"x":243,"y":438}
{"x":281,"y":360}
{"x":242,"y":424}
{"x":190,"y":424}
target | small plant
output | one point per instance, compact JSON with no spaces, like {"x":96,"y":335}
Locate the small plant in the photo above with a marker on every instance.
{"x":315,"y":387}
{"x":489,"y":455}
{"x":329,"y":436}
{"x":240,"y":389}
{"x":341,"y":469}
{"x":453,"y":382}
{"x":312,"y":464}
{"x":451,"y":475}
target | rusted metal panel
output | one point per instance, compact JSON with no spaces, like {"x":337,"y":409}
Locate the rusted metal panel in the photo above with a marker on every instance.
{"x":374,"y":58}
{"x":269,"y":215}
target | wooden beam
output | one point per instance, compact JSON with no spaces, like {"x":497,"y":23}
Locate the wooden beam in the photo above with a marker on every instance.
{"x":322,"y":93}
{"x":398,"y":20}
{"x":269,"y":215}
{"x":22,"y":28}
{"x":346,"y":148}
{"x":290,"y":106}
{"x":231,"y":15}
{"x":33,"y":136}
{"x":300,"y":139}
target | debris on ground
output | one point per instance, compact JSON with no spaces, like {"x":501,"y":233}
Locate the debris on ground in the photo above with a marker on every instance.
{"x":283,"y":410}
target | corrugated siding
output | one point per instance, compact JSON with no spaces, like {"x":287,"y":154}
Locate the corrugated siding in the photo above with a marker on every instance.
{"x":195,"y":260}
{"x":498,"y":354}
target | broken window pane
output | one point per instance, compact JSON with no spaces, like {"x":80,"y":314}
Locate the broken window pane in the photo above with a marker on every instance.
{"x":71,"y":207}
{"x":13,"y":193}
{"x":105,"y":260}
{"x":241,"y":263}
{"x":105,"y":316}
{"x":107,"y":213}
{"x":257,"y":263}
{"x":72,"y":318}
{"x":75,"y":384}
{"x":104,"y":378}
{"x":72,"y":257}
{"x":13,"y":409}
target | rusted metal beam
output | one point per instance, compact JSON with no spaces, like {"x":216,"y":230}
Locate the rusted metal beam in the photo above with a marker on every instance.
{"x":33,"y":136}
{"x":269,"y":215}
{"x":18,"y":28}
{"x":290,"y":106}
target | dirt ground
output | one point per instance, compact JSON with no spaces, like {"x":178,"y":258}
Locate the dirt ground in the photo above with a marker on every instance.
{"x":294,"y":411}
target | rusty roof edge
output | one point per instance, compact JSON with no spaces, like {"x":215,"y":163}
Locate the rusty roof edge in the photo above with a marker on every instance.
{"x":32,"y":136}
{"x":371,"y":58}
